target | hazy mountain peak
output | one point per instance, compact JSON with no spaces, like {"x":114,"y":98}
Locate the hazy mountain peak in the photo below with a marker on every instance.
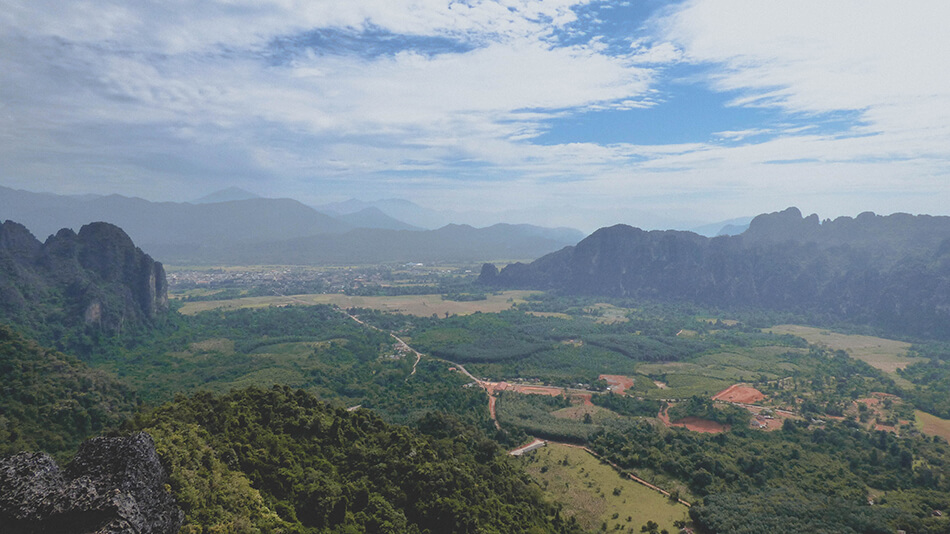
{"x":226,"y":195}
{"x":373,"y":217}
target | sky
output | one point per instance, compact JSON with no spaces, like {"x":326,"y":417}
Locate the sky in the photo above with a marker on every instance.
{"x":579,"y":113}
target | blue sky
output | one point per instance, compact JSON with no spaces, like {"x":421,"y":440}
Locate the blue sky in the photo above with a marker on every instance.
{"x":562,"y":112}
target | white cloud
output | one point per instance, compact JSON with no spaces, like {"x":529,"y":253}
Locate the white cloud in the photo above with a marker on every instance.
{"x":196,"y":71}
{"x":123,"y":90}
{"x":662,"y":53}
{"x":887,"y":61}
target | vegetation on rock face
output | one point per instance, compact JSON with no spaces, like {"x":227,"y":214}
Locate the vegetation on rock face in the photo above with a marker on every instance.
{"x":280,"y":459}
{"x":888,"y":272}
{"x":75,"y":288}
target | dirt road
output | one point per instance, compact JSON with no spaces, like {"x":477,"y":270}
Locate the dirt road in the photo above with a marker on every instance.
{"x":399,"y":341}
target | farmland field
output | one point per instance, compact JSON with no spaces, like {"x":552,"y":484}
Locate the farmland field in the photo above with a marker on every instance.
{"x":595,"y":493}
{"x":933,"y":425}
{"x":684,"y":380}
{"x":887,"y":355}
{"x":420,"y":305}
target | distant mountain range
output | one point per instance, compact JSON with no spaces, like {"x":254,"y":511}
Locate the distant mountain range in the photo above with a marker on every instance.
{"x":451,"y":243}
{"x":226,"y":195}
{"x":373,"y":217}
{"x":730,"y":227}
{"x":892,"y":272}
{"x":235,"y":226}
{"x":403,"y":210}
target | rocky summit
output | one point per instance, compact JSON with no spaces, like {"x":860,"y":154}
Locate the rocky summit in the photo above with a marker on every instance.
{"x":113,"y":486}
{"x":96,"y":278}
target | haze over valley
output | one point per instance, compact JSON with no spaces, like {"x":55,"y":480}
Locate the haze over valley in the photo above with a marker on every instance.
{"x":484,"y":267}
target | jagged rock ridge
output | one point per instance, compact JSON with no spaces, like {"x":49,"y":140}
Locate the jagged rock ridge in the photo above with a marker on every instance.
{"x":891,"y":271}
{"x":112,"y":486}
{"x":97,"y":277}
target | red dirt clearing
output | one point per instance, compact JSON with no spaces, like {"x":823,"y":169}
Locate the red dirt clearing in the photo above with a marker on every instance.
{"x":585,"y":398}
{"x":537,"y":390}
{"x":739,"y":393}
{"x":494,"y":387}
{"x":617,"y":383}
{"x":700,"y":425}
{"x":692,"y":423}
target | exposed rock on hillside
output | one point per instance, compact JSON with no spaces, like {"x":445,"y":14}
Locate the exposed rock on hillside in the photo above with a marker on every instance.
{"x":891,"y":271}
{"x":97,"y":277}
{"x":114,"y":485}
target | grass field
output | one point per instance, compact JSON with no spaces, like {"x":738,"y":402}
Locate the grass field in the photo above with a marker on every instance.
{"x":711,"y":373}
{"x":421,"y":305}
{"x":595,"y":493}
{"x":684,"y":380}
{"x":887,"y":355}
{"x":933,"y":425}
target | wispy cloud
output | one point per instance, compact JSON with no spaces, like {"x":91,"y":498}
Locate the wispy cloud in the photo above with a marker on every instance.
{"x":439,"y":99}
{"x":246,"y":74}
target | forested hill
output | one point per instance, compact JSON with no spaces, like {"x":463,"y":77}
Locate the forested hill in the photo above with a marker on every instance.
{"x":96,"y":281}
{"x":891,"y":272}
{"x":280,"y":460}
{"x":51,"y":401}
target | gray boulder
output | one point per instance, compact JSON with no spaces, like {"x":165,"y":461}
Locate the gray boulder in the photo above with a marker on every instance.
{"x":112,"y":486}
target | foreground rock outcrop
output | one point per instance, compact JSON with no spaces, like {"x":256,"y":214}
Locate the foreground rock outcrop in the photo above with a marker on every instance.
{"x":112,"y":486}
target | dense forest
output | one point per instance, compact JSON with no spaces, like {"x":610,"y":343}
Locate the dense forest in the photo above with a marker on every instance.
{"x":50,"y":401}
{"x":797,"y":479}
{"x":281,"y":460}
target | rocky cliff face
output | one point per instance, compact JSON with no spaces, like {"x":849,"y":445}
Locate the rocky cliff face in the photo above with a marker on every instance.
{"x":891,"y":271}
{"x":97,"y":277}
{"x":113,"y":486}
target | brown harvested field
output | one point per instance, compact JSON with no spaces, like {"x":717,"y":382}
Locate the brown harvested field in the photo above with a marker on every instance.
{"x":493,"y":387}
{"x":617,"y":383}
{"x":700,"y":425}
{"x":419,"y":305}
{"x":609,"y":314}
{"x":594,"y":493}
{"x":584,"y":398}
{"x":933,"y":425}
{"x":887,"y":355}
{"x":727,"y":322}
{"x":742,"y":393}
{"x":536,"y":390}
{"x":550,"y":314}
{"x":692,"y":423}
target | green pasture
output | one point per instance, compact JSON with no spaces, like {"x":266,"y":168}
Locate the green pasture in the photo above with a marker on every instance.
{"x":595,"y":493}
{"x":710,"y":373}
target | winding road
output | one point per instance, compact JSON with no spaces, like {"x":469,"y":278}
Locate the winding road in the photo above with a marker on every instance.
{"x":399,"y":341}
